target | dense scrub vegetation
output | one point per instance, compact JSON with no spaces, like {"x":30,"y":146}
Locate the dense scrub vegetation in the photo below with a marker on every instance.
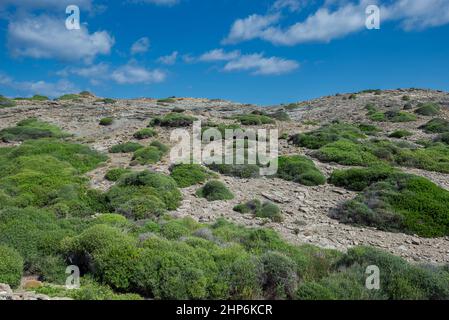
{"x":126,"y":147}
{"x":145,"y":134}
{"x":436,"y":125}
{"x":215,"y":190}
{"x":151,"y":154}
{"x":254,"y":119}
{"x":299,"y":169}
{"x":393,"y":201}
{"x":261,"y":210}
{"x":173,"y":119}
{"x":106,"y":121}
{"x":31,"y":128}
{"x":428,"y":109}
{"x":187,"y":175}
{"x":6,"y":103}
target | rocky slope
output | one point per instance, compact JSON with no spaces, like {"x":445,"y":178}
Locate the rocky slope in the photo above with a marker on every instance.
{"x":305,"y":208}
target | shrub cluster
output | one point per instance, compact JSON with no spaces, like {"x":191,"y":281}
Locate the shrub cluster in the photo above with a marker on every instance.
{"x":151,"y":154}
{"x":428,"y":109}
{"x":253,"y":119}
{"x":126,"y":147}
{"x":261,"y":210}
{"x":436,"y":125}
{"x":145,"y":134}
{"x":187,"y":175}
{"x":6,"y":103}
{"x":173,"y":120}
{"x":299,"y":169}
{"x":116,"y":173}
{"x":31,"y":128}
{"x":11,"y":266}
{"x":106,"y":121}
{"x":215,"y":190}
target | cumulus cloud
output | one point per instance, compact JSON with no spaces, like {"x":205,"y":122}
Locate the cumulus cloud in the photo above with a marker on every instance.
{"x":46,"y":37}
{"x":133,"y":74}
{"x":141,"y":46}
{"x":169,"y":59}
{"x":29,"y":88}
{"x":292,"y":5}
{"x":260,"y":65}
{"x":56,"y":5}
{"x":336,"y":19}
{"x":219,"y":55}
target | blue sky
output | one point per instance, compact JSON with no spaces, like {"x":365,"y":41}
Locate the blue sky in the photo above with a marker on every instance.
{"x":251,"y":51}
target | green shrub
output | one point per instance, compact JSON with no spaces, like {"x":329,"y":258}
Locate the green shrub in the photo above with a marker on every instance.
{"x":106,"y":121}
{"x":405,"y":98}
{"x":215,"y":190}
{"x":347,"y":153}
{"x":327,"y":134}
{"x":377,"y":116}
{"x":116,"y":173}
{"x":178,"y":110}
{"x":69,"y":97}
{"x":187,"y":175}
{"x":222,"y":128}
{"x":444,"y":137}
{"x":393,"y":116}
{"x":145,"y":134}
{"x":31,"y":128}
{"x":109,"y":101}
{"x":145,"y":207}
{"x":280,"y":279}
{"x":428,"y":109}
{"x":436,"y":125}
{"x":244,"y":171}
{"x":253,"y":119}
{"x":292,"y":106}
{"x":402,"y":203}
{"x":126,"y":147}
{"x":34,"y":98}
{"x":280,"y":115}
{"x":358,"y":179}
{"x":11,"y":266}
{"x":173,"y":120}
{"x":434,"y":157}
{"x":149,"y":155}
{"x":159,"y":145}
{"x":369,"y":129}
{"x":266,"y":210}
{"x":166,"y":100}
{"x":401,"y":134}
{"x":6,"y":103}
{"x":299,"y":169}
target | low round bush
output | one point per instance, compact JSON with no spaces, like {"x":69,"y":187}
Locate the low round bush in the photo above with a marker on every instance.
{"x":399,"y":134}
{"x":428,"y":109}
{"x":215,"y":190}
{"x":149,"y":155}
{"x":444,"y":137}
{"x":144,"y":134}
{"x":173,"y":120}
{"x":280,"y":280}
{"x":299,"y":169}
{"x":187,"y":175}
{"x":139,"y":208}
{"x":358,"y":179}
{"x":106,"y":121}
{"x":126,"y":147}
{"x":436,"y":125}
{"x":6,"y":103}
{"x":253,"y":119}
{"x":271,"y":211}
{"x":11,"y":266}
{"x":116,"y":173}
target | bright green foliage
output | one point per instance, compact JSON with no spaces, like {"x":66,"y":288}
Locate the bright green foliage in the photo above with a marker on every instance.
{"x":358,"y":179}
{"x":428,"y":109}
{"x":145,"y":133}
{"x":11,"y":266}
{"x":173,"y":120}
{"x":167,"y":100}
{"x":347,"y":152}
{"x":115,"y":174}
{"x":69,"y":97}
{"x":126,"y":147}
{"x":151,"y":154}
{"x":436,"y":125}
{"x":266,"y":210}
{"x":144,"y":194}
{"x":369,"y":129}
{"x":106,"y":121}
{"x":221,"y":128}
{"x":244,"y":171}
{"x":327,"y":134}
{"x":31,"y":128}
{"x":187,"y":175}
{"x":402,"y":203}
{"x":299,"y":169}
{"x":6,"y":103}
{"x":434,"y":157}
{"x":399,"y":134}
{"x":253,"y":119}
{"x":215,"y":190}
{"x":393,"y":116}
{"x":34,"y":98}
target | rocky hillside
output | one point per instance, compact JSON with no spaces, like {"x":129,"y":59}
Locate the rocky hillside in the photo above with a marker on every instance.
{"x":391,"y":137}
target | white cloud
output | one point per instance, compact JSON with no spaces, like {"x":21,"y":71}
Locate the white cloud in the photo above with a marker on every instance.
{"x":132,"y":74}
{"x":47,"y":37}
{"x":336,"y":19}
{"x":56,"y":5}
{"x":250,"y":28}
{"x":219,"y":55}
{"x":170,"y":59}
{"x":141,"y":46}
{"x":292,"y":5}
{"x":259,"y":65}
{"x":29,"y":88}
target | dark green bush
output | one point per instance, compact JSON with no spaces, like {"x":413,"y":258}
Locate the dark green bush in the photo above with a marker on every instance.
{"x":173,"y":120}
{"x":187,"y":175}
{"x":428,"y":109}
{"x":266,"y":210}
{"x":244,"y":171}
{"x":106,"y":121}
{"x":145,"y":133}
{"x":280,"y":279}
{"x":11,"y":266}
{"x":251,"y":206}
{"x":116,"y":174}
{"x":402,"y":203}
{"x":369,"y":129}
{"x":31,"y":128}
{"x":347,"y":152}
{"x":215,"y":190}
{"x":444,"y":137}
{"x":401,"y":134}
{"x":327,"y":134}
{"x":166,"y":100}
{"x":299,"y":169}
{"x":69,"y":97}
{"x":149,"y":155}
{"x":358,"y":179}
{"x":280,"y":115}
{"x":253,"y":119}
{"x":109,"y":101}
{"x":126,"y":147}
{"x":436,"y":125}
